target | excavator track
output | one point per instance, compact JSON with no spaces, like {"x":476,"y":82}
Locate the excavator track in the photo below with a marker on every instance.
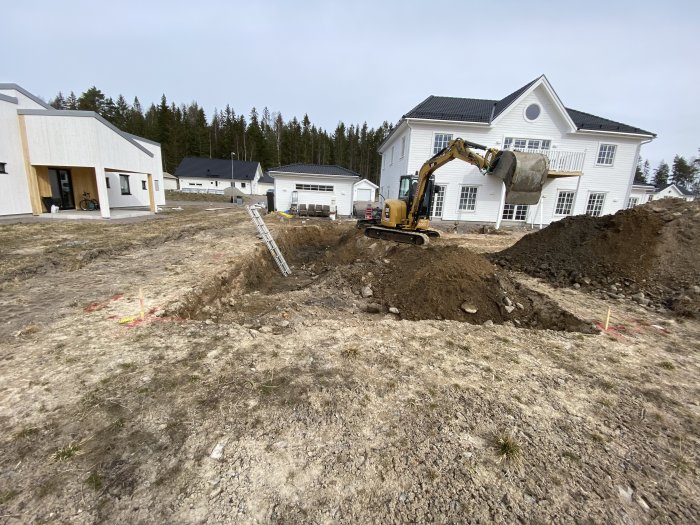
{"x":408,"y":237}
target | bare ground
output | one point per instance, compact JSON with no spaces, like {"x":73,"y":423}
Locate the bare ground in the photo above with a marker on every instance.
{"x":324,"y":413}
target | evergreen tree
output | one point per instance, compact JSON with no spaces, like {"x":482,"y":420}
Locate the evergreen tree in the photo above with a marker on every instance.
{"x":683,"y":174}
{"x":639,"y":173}
{"x":661,"y":174}
{"x":59,"y":102}
{"x":71,"y":101}
{"x":646,"y":168}
{"x":92,"y":100}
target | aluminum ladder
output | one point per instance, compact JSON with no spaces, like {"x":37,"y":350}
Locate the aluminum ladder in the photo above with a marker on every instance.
{"x":269,"y":241}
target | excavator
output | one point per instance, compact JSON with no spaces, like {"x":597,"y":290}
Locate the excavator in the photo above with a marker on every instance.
{"x":407,"y":219}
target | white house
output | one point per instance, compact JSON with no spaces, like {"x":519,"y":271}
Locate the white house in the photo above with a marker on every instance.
{"x":674,"y":192}
{"x":200,"y":175}
{"x":314,"y":184}
{"x":52,"y":157}
{"x":364,"y":191}
{"x":265,"y":183}
{"x":640,"y":194}
{"x":592,"y":159}
{"x":170,"y":181}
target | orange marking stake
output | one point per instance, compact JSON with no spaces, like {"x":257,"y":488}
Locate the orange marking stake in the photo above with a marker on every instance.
{"x":607,"y":320}
{"x":143,"y":315}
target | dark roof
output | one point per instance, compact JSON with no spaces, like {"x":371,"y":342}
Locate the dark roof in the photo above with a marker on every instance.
{"x":266,"y":179}
{"x":481,"y":110}
{"x":683,"y":190}
{"x":315,"y":169}
{"x":216,"y":168}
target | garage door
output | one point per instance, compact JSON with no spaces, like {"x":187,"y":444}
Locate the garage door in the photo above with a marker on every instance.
{"x":364,"y":194}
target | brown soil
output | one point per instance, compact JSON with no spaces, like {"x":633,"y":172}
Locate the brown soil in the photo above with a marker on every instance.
{"x":326,"y":413}
{"x":651,"y":249}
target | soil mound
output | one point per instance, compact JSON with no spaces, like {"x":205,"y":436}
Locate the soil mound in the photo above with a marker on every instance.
{"x":648,"y":253}
{"x":338,"y":269}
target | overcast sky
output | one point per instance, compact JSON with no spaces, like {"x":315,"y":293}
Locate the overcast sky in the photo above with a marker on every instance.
{"x":637,"y":62}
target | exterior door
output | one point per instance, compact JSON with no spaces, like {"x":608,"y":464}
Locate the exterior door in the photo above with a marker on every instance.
{"x":62,"y":188}
{"x":438,"y":201}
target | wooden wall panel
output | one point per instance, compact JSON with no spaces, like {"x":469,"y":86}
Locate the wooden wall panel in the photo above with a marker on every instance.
{"x":83,"y":180}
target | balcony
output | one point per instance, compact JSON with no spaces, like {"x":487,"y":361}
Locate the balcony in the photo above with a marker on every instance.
{"x":561,"y":163}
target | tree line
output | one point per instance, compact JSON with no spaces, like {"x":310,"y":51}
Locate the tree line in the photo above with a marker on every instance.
{"x":682,"y":173}
{"x":184,"y":130}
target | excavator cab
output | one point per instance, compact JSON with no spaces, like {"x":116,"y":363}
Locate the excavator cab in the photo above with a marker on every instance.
{"x":408,"y":186}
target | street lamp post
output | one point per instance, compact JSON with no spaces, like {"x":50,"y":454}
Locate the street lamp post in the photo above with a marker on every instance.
{"x":232,"y":155}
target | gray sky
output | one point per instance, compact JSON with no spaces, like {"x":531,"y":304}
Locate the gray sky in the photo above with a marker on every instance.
{"x":355,"y":61}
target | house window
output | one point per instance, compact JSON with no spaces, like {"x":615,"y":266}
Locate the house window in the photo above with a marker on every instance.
{"x":514,"y":212}
{"x":565,"y":203}
{"x":403,"y":146}
{"x":107,"y":182}
{"x":595,"y":204}
{"x":216,"y":183}
{"x":3,"y":165}
{"x":441,"y":142}
{"x":521,"y":144}
{"x":391,"y":163}
{"x":532,"y":112}
{"x":467,"y":198}
{"x":156,"y":183}
{"x":632,"y":202}
{"x":313,"y":187}
{"x":143,"y":185}
{"x":242,"y":184}
{"x":124,"y":184}
{"x":606,"y":154}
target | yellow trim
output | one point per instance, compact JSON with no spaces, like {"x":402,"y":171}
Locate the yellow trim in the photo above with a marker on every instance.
{"x":32,"y":181}
{"x":151,"y":197}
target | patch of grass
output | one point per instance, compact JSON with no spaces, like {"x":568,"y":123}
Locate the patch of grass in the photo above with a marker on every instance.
{"x":666,"y":365}
{"x":571,"y":455}
{"x":350,"y":353}
{"x":7,"y":495}
{"x":94,"y":481}
{"x":66,"y":452}
{"x":507,"y":448}
{"x":127,"y":366}
{"x":597,"y":438}
{"x":26,"y":432}
{"x":605,"y":385}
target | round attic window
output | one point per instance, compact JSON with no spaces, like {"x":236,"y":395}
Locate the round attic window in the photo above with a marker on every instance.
{"x":532,"y":112}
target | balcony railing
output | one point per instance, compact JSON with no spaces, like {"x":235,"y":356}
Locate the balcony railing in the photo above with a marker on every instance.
{"x":560,"y":160}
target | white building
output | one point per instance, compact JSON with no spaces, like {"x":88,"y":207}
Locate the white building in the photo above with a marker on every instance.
{"x":170,"y":181}
{"x":640,"y":194}
{"x":592,"y":159}
{"x":52,"y":157}
{"x":364,"y":191}
{"x":314,"y":184}
{"x":198,"y":175}
{"x":674,"y":192}
{"x":265,"y":183}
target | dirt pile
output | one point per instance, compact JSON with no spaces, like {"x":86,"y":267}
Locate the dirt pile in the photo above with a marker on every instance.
{"x":336,"y":268}
{"x":648,"y":254}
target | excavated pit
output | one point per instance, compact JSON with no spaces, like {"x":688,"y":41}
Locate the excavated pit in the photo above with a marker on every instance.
{"x":334,"y":267}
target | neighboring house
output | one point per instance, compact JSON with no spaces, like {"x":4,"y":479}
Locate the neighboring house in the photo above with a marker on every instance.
{"x":51,"y":157}
{"x":364,"y":191}
{"x":674,"y":192}
{"x":592,"y":159}
{"x":170,"y":181}
{"x":640,"y":194}
{"x":314,"y":184}
{"x":199,"y":175}
{"x":265,"y":183}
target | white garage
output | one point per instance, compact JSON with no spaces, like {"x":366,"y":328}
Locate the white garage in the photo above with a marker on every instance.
{"x":364,"y":191}
{"x":314,"y":184}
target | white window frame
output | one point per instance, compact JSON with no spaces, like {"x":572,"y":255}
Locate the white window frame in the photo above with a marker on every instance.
{"x":313,"y":187}
{"x":515,"y":212}
{"x":632,"y":202}
{"x":403,"y":146}
{"x":527,"y":143}
{"x":608,"y":155}
{"x":444,"y":140}
{"x":467,"y":198}
{"x":569,"y":204}
{"x":595,"y":209}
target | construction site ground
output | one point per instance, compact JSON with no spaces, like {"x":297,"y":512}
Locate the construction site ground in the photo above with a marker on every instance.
{"x":244,"y":397}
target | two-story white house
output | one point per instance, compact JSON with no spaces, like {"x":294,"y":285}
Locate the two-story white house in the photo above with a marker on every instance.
{"x":592,"y":159}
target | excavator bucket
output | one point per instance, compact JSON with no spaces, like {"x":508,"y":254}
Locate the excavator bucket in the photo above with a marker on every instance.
{"x":524,"y":175}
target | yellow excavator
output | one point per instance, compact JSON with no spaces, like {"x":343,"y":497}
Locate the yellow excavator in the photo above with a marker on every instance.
{"x":407,"y":219}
